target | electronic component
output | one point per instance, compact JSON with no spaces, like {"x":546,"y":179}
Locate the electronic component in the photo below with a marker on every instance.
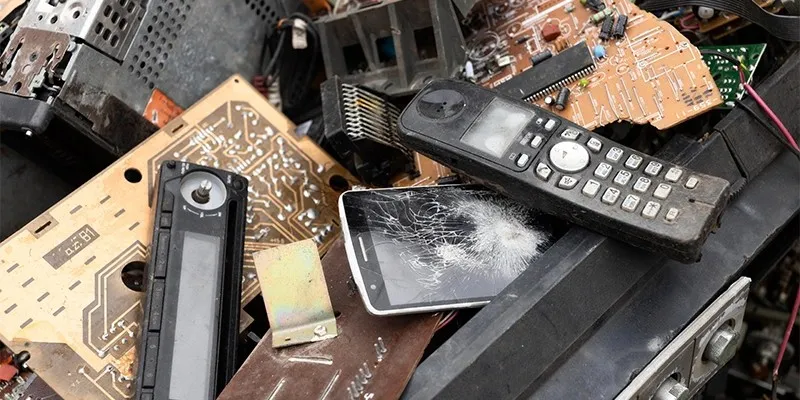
{"x":596,"y":5}
{"x":602,"y":15}
{"x":537,"y":157}
{"x":91,"y":297}
{"x":541,"y":56}
{"x":620,"y":26}
{"x":372,"y":358}
{"x":85,"y":64}
{"x":503,"y":61}
{"x":726,"y":75}
{"x":360,"y":127}
{"x":399,"y":71}
{"x":705,"y":12}
{"x":550,"y":32}
{"x":524,"y":39}
{"x":549,"y":101}
{"x":584,"y":82}
{"x":626,"y":85}
{"x":194,"y":283}
{"x":451,"y":239}
{"x":550,"y":74}
{"x":599,"y":51}
{"x":605,"y":29}
{"x":562,"y":98}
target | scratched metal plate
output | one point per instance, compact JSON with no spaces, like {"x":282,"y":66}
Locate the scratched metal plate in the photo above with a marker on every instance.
{"x":295,"y":294}
{"x":387,"y":349}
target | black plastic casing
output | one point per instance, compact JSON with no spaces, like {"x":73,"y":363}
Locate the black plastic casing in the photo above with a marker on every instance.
{"x":440,"y":139}
{"x":174,"y":218}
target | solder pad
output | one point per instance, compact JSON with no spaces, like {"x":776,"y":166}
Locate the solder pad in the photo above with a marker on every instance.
{"x":62,"y":297}
{"x":651,"y":75}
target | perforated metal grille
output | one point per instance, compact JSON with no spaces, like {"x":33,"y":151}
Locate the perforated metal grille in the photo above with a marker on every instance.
{"x":161,"y":28}
{"x":105,"y":25}
{"x":113,"y":19}
{"x":264,"y":9}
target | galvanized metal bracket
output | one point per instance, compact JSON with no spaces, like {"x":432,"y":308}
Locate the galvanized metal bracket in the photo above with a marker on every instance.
{"x":295,"y":294}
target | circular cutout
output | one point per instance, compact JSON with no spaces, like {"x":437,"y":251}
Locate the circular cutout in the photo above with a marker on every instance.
{"x":54,"y":19}
{"x":76,"y":14}
{"x":439,"y":104}
{"x":17,"y":87}
{"x":133,"y":175}
{"x":133,"y":276}
{"x":338,"y":183}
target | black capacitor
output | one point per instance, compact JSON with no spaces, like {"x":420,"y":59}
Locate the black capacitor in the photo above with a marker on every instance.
{"x":605,"y":29}
{"x":541,"y":56}
{"x":619,"y":28}
{"x":561,"y":99}
{"x":523,"y":39}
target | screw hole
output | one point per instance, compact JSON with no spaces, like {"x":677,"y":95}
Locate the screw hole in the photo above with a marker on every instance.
{"x":338,"y":183}
{"x":54,"y":20}
{"x":133,"y":175}
{"x":133,"y":276}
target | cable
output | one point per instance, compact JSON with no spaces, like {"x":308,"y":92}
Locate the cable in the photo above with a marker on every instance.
{"x":786,"y":334}
{"x":752,"y":92}
{"x":771,"y":115}
{"x":771,"y":129}
{"x":781,"y":26}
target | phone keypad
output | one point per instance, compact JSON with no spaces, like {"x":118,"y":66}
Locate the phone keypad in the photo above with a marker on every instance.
{"x":630,"y":203}
{"x":610,"y":196}
{"x":603,"y":171}
{"x":591,"y":188}
{"x":648,"y":187}
{"x":673,"y":174}
{"x":567,"y":182}
{"x":614,"y":154}
{"x":622,"y":178}
{"x":653,"y":168}
{"x":543,"y":171}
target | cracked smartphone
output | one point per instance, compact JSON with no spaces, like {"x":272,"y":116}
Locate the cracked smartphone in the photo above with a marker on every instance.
{"x":422,"y":249}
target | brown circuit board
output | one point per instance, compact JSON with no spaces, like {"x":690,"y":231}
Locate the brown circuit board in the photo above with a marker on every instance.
{"x":650,"y":75}
{"x":371,"y":358}
{"x":63,"y":298}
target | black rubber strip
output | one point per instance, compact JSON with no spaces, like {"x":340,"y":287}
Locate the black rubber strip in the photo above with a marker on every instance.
{"x":781,"y":26}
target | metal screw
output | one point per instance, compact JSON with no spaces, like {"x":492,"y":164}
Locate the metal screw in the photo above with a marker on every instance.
{"x":320,"y":330}
{"x":28,"y":133}
{"x":361,"y":378}
{"x":381,"y":346}
{"x":722,"y":346}
{"x":367,"y":373}
{"x":671,"y":389}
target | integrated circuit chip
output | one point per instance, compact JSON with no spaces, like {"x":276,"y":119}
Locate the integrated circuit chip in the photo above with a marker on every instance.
{"x":551,"y":74}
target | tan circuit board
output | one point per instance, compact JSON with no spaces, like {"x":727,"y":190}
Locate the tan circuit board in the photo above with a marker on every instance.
{"x":651,"y":75}
{"x":7,"y":6}
{"x":62,"y":297}
{"x":429,"y":172}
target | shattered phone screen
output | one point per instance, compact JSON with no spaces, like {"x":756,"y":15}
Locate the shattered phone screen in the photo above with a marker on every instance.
{"x":442,"y":245}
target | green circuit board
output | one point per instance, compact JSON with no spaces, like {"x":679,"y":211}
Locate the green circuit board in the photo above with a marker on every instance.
{"x":725,"y":74}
